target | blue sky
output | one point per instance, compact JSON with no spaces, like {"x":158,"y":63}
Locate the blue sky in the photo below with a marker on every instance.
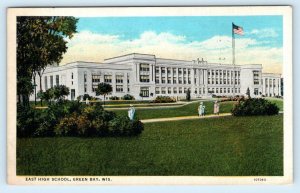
{"x":193,"y":28}
{"x":181,"y":37}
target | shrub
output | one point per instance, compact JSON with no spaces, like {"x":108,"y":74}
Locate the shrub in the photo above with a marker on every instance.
{"x":128,"y":97}
{"x":71,"y":118}
{"x":114,"y":98}
{"x":86,"y":96}
{"x":28,"y":119}
{"x":122,"y":126}
{"x":253,"y":106}
{"x":163,"y":99}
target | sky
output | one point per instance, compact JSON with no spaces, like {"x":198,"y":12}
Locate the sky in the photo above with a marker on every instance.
{"x":184,"y":38}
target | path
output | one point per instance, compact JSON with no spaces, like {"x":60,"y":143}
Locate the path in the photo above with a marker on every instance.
{"x":184,"y":118}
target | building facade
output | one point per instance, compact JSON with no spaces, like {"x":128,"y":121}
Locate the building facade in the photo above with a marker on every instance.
{"x":145,"y":76}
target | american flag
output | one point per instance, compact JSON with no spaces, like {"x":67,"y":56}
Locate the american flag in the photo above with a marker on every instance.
{"x":237,"y":29}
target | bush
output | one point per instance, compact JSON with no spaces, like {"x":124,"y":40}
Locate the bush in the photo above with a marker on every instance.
{"x":163,"y":99}
{"x":114,"y":98}
{"x":28,"y":120}
{"x":72,"y":118}
{"x":122,"y":126}
{"x":253,"y":106}
{"x":128,"y":97}
{"x":86,"y":96}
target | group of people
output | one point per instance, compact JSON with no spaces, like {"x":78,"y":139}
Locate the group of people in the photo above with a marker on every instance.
{"x":201,"y":109}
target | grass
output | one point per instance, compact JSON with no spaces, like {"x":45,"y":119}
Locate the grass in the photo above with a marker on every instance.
{"x":186,"y":110}
{"x":228,"y":146}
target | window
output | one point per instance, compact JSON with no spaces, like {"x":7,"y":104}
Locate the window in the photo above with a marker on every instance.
{"x":169,"y":70}
{"x":179,"y":71}
{"x":174,"y":80}
{"x":208,"y":81}
{"x":107,"y":78}
{"x":195,"y":91}
{"x":51,"y":82}
{"x":217,"y":90}
{"x":119,"y":78}
{"x":119,"y":88}
{"x":144,"y":67}
{"x":72,"y":76}
{"x":94,"y":87}
{"x":163,"y":80}
{"x":156,"y":70}
{"x":144,"y":78}
{"x":228,"y":90}
{"x":46,"y":83}
{"x":57,"y":80}
{"x":163,"y":90}
{"x":180,"y":90}
{"x":174,"y":71}
{"x":255,"y":77}
{"x":184,"y":71}
{"x":221,"y":90}
{"x":255,"y":91}
{"x":157,"y":91}
{"x":95,"y":78}
{"x":163,"y":70}
{"x":156,"y":80}
{"x":180,"y":80}
{"x":169,"y":90}
{"x":85,"y":76}
{"x":175,"y":90}
{"x":185,"y":90}
{"x":144,"y":91}
{"x":224,"y":90}
{"x":85,"y":88}
{"x":169,"y":80}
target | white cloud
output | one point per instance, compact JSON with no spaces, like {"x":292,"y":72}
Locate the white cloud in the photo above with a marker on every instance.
{"x":264,"y":33}
{"x":88,"y":46}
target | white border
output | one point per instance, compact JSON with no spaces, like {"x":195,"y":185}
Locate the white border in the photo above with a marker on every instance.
{"x":285,"y":11}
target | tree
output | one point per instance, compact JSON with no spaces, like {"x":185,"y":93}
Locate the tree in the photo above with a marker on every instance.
{"x":103,"y":89}
{"x":60,"y":92}
{"x":248,"y":93}
{"x":41,"y":41}
{"x":48,"y":95}
{"x":188,"y":95}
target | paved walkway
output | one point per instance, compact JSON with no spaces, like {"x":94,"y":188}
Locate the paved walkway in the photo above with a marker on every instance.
{"x":184,"y":118}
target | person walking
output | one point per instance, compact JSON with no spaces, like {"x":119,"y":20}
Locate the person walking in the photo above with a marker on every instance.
{"x":216,"y":108}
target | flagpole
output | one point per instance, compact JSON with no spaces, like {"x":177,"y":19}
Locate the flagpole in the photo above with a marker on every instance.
{"x":233,"y":57}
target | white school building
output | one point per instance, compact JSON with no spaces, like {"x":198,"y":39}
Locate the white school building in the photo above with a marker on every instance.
{"x":144,"y":73}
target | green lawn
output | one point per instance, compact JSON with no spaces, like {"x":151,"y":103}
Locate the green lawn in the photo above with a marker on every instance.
{"x":228,"y":146}
{"x":186,"y":110}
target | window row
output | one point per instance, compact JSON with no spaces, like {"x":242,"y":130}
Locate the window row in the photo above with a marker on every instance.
{"x":223,"y":90}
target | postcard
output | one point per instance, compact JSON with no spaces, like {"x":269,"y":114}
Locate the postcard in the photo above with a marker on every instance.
{"x":150,"y":95}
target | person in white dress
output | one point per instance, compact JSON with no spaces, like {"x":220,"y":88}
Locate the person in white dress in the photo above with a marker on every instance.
{"x":131,"y":112}
{"x":201,"y":109}
{"x":216,"y":108}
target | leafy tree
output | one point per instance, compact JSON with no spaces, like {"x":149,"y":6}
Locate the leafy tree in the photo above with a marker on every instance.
{"x":48,"y":95}
{"x":41,"y":41}
{"x":60,"y":92}
{"x":188,"y":95}
{"x":248,"y":93}
{"x":103,"y":89}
